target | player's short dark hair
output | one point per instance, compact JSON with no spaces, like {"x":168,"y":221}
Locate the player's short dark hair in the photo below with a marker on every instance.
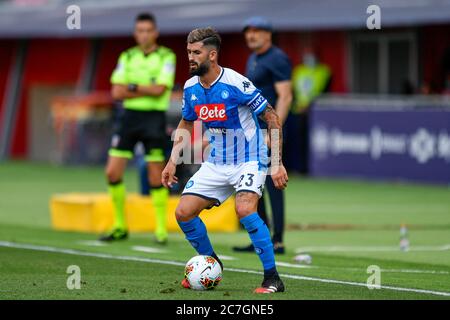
{"x":208,"y":36}
{"x":146,"y":16}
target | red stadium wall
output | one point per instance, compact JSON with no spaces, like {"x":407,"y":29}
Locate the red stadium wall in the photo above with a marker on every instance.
{"x":330,"y":47}
{"x":59,"y":61}
{"x":110,"y":50}
{"x":7,"y":49}
{"x":48,"y":61}
{"x":332,"y":50}
{"x":434,"y":44}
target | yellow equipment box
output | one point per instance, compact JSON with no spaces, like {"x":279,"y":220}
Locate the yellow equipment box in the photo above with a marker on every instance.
{"x":93,"y":212}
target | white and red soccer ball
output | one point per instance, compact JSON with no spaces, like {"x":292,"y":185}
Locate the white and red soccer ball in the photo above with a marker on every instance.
{"x":203,"y":272}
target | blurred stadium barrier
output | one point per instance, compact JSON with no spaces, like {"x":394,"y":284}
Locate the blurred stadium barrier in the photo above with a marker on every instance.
{"x":82,"y":125}
{"x":93,"y":212}
{"x":391,"y":138}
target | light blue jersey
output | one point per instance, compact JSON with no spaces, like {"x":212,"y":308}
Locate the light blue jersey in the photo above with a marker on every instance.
{"x":229,"y":110}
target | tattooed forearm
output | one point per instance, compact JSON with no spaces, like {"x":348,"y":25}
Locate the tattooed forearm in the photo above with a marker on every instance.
{"x":273,"y":123}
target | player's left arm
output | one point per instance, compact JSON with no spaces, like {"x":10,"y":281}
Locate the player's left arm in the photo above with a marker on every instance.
{"x":278,"y":171}
{"x":259,"y":105}
{"x":284,"y":100}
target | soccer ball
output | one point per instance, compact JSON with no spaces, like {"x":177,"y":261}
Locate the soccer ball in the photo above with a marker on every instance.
{"x":203,"y":272}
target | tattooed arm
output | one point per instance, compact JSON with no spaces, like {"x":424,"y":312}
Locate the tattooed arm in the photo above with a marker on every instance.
{"x":270,"y":117}
{"x":278,"y":172}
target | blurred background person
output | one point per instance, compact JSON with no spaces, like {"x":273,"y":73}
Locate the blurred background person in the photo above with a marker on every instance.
{"x":143,"y":79}
{"x":309,"y":80}
{"x":269,"y":68}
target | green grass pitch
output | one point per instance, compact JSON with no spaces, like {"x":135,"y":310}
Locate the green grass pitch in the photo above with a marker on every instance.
{"x":344,"y":225}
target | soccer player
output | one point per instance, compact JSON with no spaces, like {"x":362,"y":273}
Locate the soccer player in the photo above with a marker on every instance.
{"x":143,"y":79}
{"x":228,"y":104}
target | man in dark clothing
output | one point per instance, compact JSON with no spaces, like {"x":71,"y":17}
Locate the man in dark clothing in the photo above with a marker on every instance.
{"x":269,"y":68}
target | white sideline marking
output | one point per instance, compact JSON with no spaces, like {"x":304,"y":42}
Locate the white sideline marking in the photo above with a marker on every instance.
{"x":148,"y":249}
{"x":359,"y":284}
{"x":92,"y":243}
{"x":371,"y":248}
{"x":294,"y":265}
{"x":229,"y":258}
{"x":414,"y":271}
{"x":175,"y":263}
{"x":84,"y":253}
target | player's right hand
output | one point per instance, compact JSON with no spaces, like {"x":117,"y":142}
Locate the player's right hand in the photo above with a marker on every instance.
{"x":168,"y":177}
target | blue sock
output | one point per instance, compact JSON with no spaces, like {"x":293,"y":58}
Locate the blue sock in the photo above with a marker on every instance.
{"x":260,"y":236}
{"x":196,"y":234}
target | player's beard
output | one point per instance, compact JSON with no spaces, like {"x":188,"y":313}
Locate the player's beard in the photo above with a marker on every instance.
{"x":202,"y":69}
